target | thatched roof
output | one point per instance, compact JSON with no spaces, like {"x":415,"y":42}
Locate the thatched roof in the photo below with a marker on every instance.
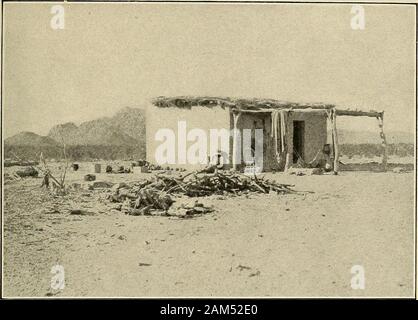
{"x":238,"y":103}
{"x":251,"y":104}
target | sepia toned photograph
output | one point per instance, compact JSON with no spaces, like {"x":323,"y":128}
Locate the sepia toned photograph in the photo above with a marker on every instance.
{"x":208,"y":150}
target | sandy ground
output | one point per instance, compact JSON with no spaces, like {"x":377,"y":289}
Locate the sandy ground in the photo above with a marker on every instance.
{"x":264,"y":246}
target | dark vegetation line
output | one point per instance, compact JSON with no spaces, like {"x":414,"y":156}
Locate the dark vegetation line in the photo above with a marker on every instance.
{"x":77,"y":153}
{"x":80,"y":153}
{"x":369,"y":150}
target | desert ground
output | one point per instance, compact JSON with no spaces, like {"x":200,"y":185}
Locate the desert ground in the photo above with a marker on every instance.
{"x":261,"y":245}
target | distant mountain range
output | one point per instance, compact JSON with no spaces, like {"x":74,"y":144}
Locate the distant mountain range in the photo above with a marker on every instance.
{"x":30,"y":139}
{"x":126,"y":131}
{"x":125,"y":128}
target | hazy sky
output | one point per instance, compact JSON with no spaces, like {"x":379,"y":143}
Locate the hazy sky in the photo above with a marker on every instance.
{"x":114,"y":55}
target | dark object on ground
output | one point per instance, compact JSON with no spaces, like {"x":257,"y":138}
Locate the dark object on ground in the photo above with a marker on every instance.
{"x":97,"y":168}
{"x":190,"y":210}
{"x":141,"y":163}
{"x":81,"y":212}
{"x":122,"y":169}
{"x":102,"y":184}
{"x":119,"y":169}
{"x":75,"y":166}
{"x":27,"y":172}
{"x":143,"y":264}
{"x":144,"y":169}
{"x":146,"y":166}
{"x":305,"y":171}
{"x":89,"y":177}
{"x":11,"y":163}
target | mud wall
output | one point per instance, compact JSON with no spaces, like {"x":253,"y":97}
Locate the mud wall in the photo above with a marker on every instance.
{"x":315,"y":133}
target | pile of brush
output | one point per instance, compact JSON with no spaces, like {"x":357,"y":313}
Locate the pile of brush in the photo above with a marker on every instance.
{"x":200,"y":184}
{"x":157,"y":193}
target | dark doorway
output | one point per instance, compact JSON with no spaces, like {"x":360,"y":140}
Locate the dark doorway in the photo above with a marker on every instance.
{"x":298,"y":140}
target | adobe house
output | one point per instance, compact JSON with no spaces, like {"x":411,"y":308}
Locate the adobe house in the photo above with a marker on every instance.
{"x":291,"y":131}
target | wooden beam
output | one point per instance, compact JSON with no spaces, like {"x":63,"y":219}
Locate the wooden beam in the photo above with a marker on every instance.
{"x":335,"y":140}
{"x":313,"y":109}
{"x":235,"y":147}
{"x":288,"y":160}
{"x":285,"y":140}
{"x":254,"y":111}
{"x":270,"y":110}
{"x":358,"y":113}
{"x":320,"y":110}
{"x":384,"y":144}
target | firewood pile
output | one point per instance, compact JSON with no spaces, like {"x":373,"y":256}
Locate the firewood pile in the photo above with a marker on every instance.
{"x":157,"y":193}
{"x":219,"y":183}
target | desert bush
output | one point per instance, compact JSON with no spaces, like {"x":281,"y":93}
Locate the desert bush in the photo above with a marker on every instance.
{"x":76,"y":153}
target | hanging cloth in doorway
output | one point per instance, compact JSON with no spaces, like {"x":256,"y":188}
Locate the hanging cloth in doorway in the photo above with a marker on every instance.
{"x":283,"y":122}
{"x":278,"y":132}
{"x":330,"y":116}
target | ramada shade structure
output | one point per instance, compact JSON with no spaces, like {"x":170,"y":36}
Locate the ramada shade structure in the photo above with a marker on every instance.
{"x":240,"y":105}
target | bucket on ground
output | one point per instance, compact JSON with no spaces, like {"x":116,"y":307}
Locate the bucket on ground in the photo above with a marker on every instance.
{"x":97,"y":168}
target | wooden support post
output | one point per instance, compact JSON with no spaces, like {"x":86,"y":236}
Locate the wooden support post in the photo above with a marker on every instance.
{"x":284,"y":139}
{"x":384,"y":144}
{"x":335,"y":140}
{"x":287,"y":165}
{"x":235,"y":147}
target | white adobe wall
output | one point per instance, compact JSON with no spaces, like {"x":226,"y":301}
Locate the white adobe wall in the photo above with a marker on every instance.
{"x":197,"y":117}
{"x":260,"y":121}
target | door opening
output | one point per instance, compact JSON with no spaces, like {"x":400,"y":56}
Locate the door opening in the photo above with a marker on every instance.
{"x":298,"y":140}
